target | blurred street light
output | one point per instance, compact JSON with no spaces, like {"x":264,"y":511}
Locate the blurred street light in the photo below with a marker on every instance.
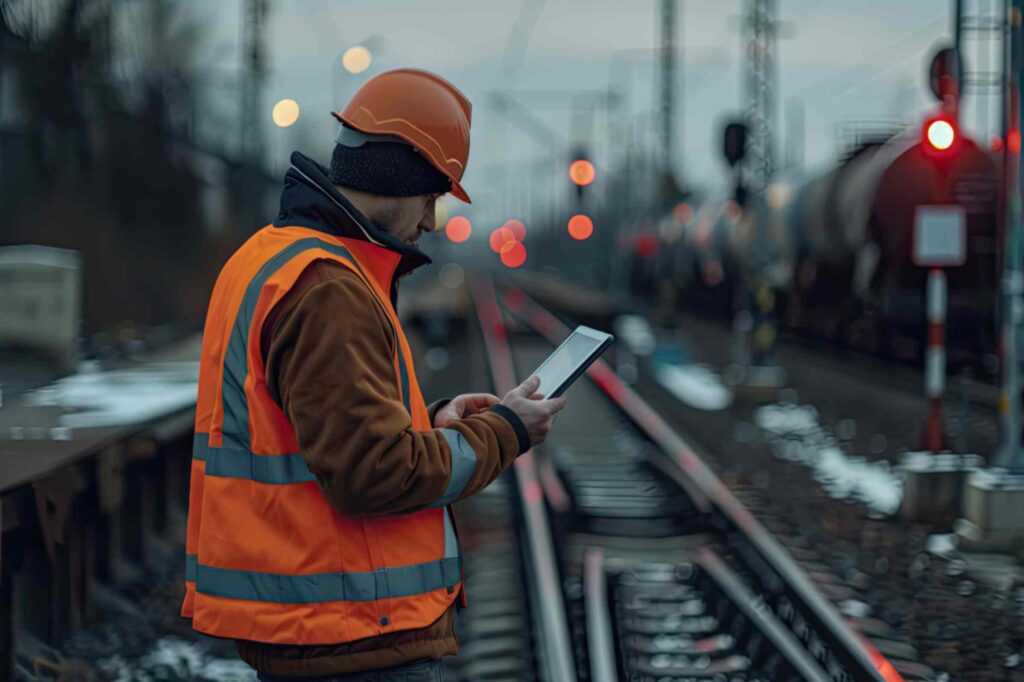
{"x":517,"y":228}
{"x":514,"y":255}
{"x":285,"y":113}
{"x":356,"y":59}
{"x":458,"y":229}
{"x":500,"y":237}
{"x":580,"y":227}
{"x":581,"y":172}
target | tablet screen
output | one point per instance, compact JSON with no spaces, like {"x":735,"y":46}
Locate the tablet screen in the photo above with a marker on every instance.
{"x":564,"y":361}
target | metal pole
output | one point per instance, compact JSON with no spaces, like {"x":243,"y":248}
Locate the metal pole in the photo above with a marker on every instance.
{"x":667,"y":74}
{"x":1010,"y":454}
{"x":933,"y":438}
{"x":958,"y":15}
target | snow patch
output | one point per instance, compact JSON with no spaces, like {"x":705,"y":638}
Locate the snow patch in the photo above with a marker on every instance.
{"x":796,"y":435}
{"x":693,"y":385}
{"x":635,"y":331}
{"x":117,"y":397}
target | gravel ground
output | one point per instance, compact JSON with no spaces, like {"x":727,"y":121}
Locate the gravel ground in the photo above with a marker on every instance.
{"x":138,"y":635}
{"x":877,"y":570}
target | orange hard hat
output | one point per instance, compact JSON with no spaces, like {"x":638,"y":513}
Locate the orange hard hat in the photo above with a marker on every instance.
{"x":421,"y":108}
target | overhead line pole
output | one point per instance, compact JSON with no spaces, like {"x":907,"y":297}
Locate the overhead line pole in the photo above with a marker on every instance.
{"x":667,"y":71}
{"x":1010,"y":454}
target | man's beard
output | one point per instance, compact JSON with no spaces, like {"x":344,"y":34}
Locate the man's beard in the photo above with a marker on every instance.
{"x":386,"y":228}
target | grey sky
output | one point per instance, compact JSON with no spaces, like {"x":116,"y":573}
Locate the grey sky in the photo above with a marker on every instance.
{"x":843,"y":61}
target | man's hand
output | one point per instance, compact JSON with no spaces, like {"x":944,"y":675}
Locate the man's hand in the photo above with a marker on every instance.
{"x":536,"y":413}
{"x":464,"y":406}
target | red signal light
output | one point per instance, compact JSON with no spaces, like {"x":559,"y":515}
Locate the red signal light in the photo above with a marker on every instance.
{"x":581,"y":172}
{"x":940,"y":134}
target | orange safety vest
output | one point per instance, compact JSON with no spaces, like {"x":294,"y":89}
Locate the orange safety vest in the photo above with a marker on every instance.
{"x":267,"y":558}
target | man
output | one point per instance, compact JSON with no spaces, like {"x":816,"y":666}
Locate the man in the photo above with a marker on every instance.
{"x":319,"y":532}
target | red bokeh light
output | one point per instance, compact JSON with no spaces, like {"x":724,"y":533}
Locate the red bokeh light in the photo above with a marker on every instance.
{"x":580,"y":227}
{"x":500,"y":237}
{"x":458,"y":229}
{"x":514,"y":299}
{"x":732,"y":211}
{"x":646,"y":245}
{"x":514,"y":255}
{"x":581,"y":172}
{"x":517,"y":229}
{"x":1013,"y":141}
{"x":682,"y":213}
{"x":996,"y":144}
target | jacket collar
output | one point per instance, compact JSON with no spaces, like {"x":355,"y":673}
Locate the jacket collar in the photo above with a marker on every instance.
{"x":310,"y":200}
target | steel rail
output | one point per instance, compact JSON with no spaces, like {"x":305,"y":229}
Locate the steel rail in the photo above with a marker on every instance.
{"x":557,"y":660}
{"x":864,"y":662}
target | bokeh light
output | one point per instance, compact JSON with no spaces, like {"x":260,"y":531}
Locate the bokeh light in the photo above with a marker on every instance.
{"x":451,"y":275}
{"x":458,"y":229}
{"x":941,"y":134}
{"x":581,"y":172}
{"x":517,"y":228}
{"x":732,"y":210}
{"x":500,"y":237}
{"x":356,"y":59}
{"x":580,"y":227}
{"x":778,"y":195}
{"x":514,"y":256}
{"x":285,"y":113}
{"x":682,"y":213}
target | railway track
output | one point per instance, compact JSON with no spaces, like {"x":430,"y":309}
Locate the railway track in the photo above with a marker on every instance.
{"x":634,"y":561}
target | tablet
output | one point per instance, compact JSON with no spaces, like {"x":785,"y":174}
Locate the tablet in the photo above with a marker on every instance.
{"x":570,"y":360}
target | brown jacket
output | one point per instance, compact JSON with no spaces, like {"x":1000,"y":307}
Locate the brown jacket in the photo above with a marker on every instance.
{"x":327,"y":346}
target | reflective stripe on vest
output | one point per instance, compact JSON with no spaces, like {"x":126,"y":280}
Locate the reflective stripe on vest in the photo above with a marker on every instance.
{"x":236,"y":409}
{"x":228,"y":462}
{"x":383,"y":583}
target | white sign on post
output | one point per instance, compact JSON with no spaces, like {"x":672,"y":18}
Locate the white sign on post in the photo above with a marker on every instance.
{"x":940,"y":236}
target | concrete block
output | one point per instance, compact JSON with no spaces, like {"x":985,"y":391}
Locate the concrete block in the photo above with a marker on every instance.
{"x":933,"y":486}
{"x":994,"y":511}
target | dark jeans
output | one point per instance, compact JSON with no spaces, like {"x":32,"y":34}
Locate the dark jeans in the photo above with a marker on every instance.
{"x":417,"y":671}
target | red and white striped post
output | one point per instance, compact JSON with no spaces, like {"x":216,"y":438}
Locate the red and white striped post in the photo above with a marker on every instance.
{"x":933,"y":438}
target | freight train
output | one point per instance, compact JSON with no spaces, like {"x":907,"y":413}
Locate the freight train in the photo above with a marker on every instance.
{"x":834,"y":249}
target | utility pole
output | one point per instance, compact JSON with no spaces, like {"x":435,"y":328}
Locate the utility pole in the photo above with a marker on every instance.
{"x":958,"y":21}
{"x":761,"y":27}
{"x":667,"y":70}
{"x":1010,"y":455}
{"x":754,"y":321}
{"x":252,"y":116}
{"x":979,"y":30}
{"x":761,"y":93}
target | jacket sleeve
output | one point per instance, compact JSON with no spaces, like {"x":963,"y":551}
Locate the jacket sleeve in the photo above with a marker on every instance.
{"x":330,"y":360}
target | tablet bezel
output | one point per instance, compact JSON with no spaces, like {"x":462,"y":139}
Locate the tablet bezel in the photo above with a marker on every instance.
{"x":604,"y":341}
